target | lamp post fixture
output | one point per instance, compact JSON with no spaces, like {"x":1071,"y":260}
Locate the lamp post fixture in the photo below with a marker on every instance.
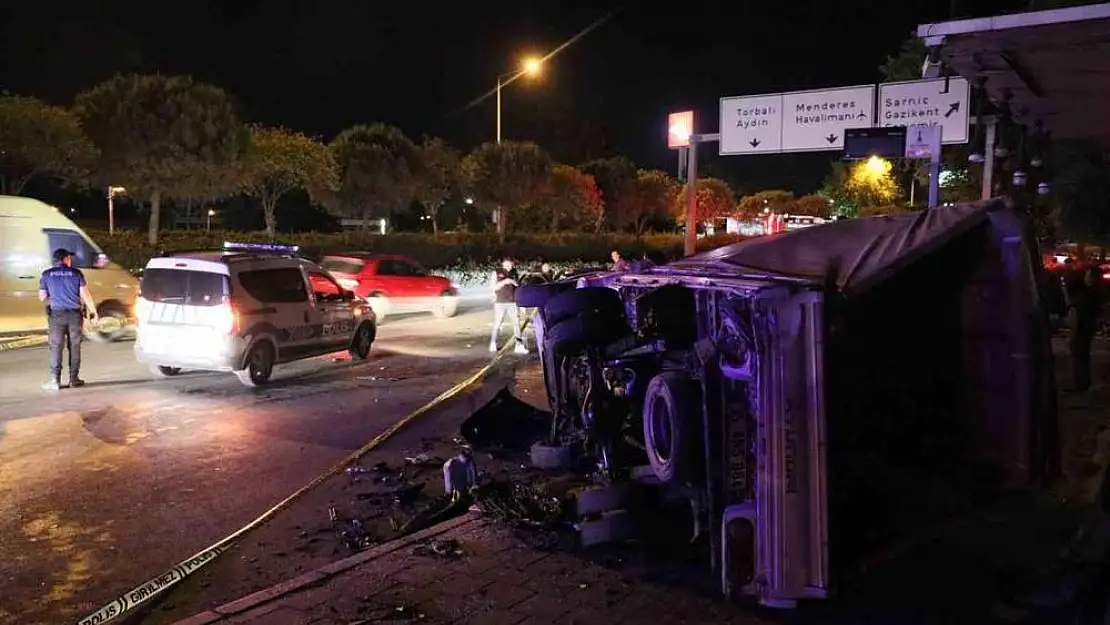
{"x":112,"y":193}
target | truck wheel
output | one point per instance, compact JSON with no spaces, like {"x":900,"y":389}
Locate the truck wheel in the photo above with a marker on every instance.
{"x":596,"y":302}
{"x":572,"y":334}
{"x":551,"y":457}
{"x":672,"y":422}
{"x":537,"y":295}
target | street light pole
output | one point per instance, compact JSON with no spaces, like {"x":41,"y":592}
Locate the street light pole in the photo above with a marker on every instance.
{"x":113,"y":191}
{"x":111,"y":211}
{"x":691,"y":240}
{"x":498,"y":110}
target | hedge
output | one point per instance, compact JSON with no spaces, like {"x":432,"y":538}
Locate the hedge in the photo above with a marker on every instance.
{"x":129,"y":248}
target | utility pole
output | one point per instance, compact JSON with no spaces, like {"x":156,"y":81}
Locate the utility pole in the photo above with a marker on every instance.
{"x":691,"y":244}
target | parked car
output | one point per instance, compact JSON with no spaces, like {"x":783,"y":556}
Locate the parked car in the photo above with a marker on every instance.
{"x":813,"y":392}
{"x":393,"y":284}
{"x":245,"y":309}
{"x":30,"y":231}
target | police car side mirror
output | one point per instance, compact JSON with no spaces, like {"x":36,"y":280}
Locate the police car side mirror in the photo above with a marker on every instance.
{"x":348,"y":296}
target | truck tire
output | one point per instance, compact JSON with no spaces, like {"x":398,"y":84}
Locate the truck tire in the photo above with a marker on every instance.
{"x":592,"y":302}
{"x":551,"y":457}
{"x":672,"y":424}
{"x":537,"y":295}
{"x":576,"y":332}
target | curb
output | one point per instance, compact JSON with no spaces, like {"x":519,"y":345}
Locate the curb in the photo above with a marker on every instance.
{"x":19,"y":343}
{"x":321,"y":574}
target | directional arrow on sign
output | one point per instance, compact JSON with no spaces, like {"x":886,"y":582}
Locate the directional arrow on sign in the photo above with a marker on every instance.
{"x":862,"y":116}
{"x":754,"y":143}
{"x":952,"y":108}
{"x":831,"y":138}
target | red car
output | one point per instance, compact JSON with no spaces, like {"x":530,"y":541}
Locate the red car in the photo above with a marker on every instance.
{"x":393,"y":284}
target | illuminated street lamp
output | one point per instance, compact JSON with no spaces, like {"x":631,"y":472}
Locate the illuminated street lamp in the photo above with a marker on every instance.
{"x":208,"y":219}
{"x":112,"y":193}
{"x":530,"y":67}
{"x":877,"y":166}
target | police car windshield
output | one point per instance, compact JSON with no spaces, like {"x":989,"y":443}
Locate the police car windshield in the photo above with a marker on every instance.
{"x":191,"y":288}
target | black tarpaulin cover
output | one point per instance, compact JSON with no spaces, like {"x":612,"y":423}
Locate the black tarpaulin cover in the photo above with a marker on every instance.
{"x":853,"y":254}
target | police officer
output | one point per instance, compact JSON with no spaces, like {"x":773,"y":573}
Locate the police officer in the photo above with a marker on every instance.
{"x":64,"y":290}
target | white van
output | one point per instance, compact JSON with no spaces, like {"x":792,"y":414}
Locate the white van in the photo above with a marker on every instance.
{"x":30,"y":231}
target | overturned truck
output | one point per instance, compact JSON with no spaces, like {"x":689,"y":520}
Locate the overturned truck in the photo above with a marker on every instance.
{"x":813,"y":393}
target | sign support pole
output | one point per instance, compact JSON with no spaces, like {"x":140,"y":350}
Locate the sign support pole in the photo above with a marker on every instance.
{"x":111,"y":211}
{"x":934,"y":167}
{"x":691,"y":245}
{"x":987,"y":190}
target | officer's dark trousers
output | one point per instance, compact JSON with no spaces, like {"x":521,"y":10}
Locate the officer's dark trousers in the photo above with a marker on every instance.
{"x":63,"y":324}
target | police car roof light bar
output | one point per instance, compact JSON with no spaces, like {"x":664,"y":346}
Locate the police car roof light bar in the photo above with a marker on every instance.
{"x":272,"y":248}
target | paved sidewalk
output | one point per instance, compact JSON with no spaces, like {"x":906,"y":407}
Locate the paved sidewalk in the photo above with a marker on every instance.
{"x":497,"y":579}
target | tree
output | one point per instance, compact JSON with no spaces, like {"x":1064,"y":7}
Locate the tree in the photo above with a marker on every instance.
{"x":1081,"y":186}
{"x":715,"y":200}
{"x":570,"y":199}
{"x":208,"y":184}
{"x":887,"y":209}
{"x":907,"y":63}
{"x":772,"y":200}
{"x":507,"y":175}
{"x":376,"y":165}
{"x":37,"y":139}
{"x":437,"y":176}
{"x":158,"y":135}
{"x":281,"y":160}
{"x":656,"y":195}
{"x":812,"y":205}
{"x":616,"y":181}
{"x":860,"y":184}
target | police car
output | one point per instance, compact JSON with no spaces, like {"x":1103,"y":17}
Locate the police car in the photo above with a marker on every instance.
{"x":244,"y":309}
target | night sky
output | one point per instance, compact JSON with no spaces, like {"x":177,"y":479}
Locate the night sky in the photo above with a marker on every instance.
{"x":324,"y":65}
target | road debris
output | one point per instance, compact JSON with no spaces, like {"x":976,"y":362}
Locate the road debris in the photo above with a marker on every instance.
{"x":460,"y":475}
{"x":350,"y":531}
{"x":447,"y":549}
{"x":423,"y":459}
{"x":402,"y":497}
{"x":520,"y":504}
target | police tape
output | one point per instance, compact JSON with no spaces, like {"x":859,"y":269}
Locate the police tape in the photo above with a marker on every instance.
{"x":150,"y":589}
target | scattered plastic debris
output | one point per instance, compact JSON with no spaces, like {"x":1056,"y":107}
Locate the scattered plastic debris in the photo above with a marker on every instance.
{"x":460,"y":475}
{"x":350,"y":531}
{"x":422,"y":459}
{"x":403,"y":496}
{"x":520,"y":504}
{"x":447,"y":548}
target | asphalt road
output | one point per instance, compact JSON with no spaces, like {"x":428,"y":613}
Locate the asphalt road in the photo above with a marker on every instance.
{"x":104,"y":487}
